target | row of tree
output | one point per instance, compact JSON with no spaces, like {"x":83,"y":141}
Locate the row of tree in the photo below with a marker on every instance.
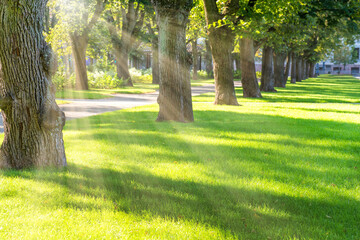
{"x":291,"y":31}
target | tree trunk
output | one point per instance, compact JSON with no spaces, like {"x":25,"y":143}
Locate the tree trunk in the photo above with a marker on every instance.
{"x":195,"y":59}
{"x":279,"y":69}
{"x":237,"y":62}
{"x":312,"y":70}
{"x":33,"y":122}
{"x":303,"y":70}
{"x":307,"y":69}
{"x":221,"y":41}
{"x":79,"y":45}
{"x":249,"y":81}
{"x":267,"y":76}
{"x":293,"y":68}
{"x":123,"y":67}
{"x":155,"y":61}
{"x":287,"y":69}
{"x":175,"y":89}
{"x":298,"y":69}
{"x":208,"y":60}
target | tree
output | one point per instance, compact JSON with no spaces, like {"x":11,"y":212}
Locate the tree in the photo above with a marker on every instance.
{"x":153,"y":30}
{"x":131,"y":24}
{"x":196,"y":29}
{"x":175,"y":90}
{"x":33,"y":122}
{"x":221,"y":39}
{"x":344,"y":55}
{"x":267,"y":76}
{"x":76,"y":16}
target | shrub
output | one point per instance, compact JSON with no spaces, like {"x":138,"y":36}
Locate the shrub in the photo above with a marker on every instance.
{"x":141,"y":75}
{"x":61,"y":82}
{"x":104,"y":80}
{"x":258,"y":75}
{"x":237,"y":74}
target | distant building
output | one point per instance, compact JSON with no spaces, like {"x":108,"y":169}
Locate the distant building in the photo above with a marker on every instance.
{"x":328,"y":67}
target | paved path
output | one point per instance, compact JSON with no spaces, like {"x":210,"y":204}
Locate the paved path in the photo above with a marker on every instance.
{"x":78,"y":108}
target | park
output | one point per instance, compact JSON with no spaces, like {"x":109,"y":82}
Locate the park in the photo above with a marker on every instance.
{"x":186,"y":119}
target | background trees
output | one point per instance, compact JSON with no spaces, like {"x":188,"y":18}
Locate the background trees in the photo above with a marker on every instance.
{"x":79,"y":24}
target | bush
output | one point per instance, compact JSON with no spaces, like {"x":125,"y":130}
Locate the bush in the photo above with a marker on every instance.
{"x":258,"y":75}
{"x":61,"y":82}
{"x":104,"y":80}
{"x":141,"y":75}
{"x":201,"y":74}
{"x":237,"y":74}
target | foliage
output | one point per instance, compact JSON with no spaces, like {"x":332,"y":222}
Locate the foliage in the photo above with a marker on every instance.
{"x":258,"y":75}
{"x":202,"y":74}
{"x":141,"y":76}
{"x":104,"y":80}
{"x":62,"y":82}
{"x":237,"y":74}
{"x":345,"y":55}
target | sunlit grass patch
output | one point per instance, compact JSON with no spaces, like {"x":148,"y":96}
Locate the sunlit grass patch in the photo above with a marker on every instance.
{"x":324,"y":89}
{"x":202,"y":82}
{"x":139,"y":88}
{"x":257,"y":171}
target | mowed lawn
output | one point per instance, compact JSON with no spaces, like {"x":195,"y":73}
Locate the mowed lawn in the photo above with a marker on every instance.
{"x":271,"y":169}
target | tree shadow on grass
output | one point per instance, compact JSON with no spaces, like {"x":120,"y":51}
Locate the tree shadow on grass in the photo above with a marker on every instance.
{"x":330,"y":89}
{"x":235,"y":209}
{"x":247,"y":211}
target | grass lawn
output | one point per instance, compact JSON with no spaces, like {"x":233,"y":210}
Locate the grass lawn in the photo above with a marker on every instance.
{"x":324,"y":89}
{"x":263,"y":170}
{"x":139,"y":88}
{"x":201,"y":82}
{"x":60,"y":102}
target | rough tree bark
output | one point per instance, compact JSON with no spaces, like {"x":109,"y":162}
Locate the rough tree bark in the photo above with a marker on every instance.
{"x":175,"y":90}
{"x":293,"y":68}
{"x":221,"y":41}
{"x":195,"y":59}
{"x":267,"y":76}
{"x":79,"y":42}
{"x":33,"y":122}
{"x":279,"y":68}
{"x":248,"y":74}
{"x":208,"y":60}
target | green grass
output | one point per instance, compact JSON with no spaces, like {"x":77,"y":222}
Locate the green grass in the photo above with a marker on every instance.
{"x":79,"y":94}
{"x":281,"y":170}
{"x":201,"y":82}
{"x":139,"y":88}
{"x":324,"y":89}
{"x":60,"y":102}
